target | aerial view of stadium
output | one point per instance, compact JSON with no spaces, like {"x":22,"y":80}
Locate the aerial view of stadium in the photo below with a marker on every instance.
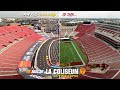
{"x":45,"y":45}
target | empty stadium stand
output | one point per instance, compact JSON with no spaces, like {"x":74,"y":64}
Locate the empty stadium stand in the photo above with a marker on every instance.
{"x":109,"y":74}
{"x":15,"y":40}
{"x":110,"y":36}
{"x":96,"y":50}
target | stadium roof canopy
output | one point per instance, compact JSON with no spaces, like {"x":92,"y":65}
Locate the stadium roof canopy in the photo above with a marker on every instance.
{"x":64,"y":38}
{"x":71,"y":22}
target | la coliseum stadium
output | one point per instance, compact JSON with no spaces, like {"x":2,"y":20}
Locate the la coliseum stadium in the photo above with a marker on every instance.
{"x":94,"y":46}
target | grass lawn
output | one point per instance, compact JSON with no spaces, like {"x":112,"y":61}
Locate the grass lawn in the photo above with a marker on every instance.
{"x":70,"y":52}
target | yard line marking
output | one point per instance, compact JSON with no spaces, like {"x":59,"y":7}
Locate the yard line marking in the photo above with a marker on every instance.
{"x":78,"y":53}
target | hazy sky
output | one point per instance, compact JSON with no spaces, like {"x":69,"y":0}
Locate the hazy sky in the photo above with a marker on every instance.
{"x":81,"y":14}
{"x":100,"y":14}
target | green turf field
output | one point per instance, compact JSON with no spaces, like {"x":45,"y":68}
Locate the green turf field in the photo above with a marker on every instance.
{"x":70,"y":52}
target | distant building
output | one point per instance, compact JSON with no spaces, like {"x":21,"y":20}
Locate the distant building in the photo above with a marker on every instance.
{"x":49,"y":25}
{"x":11,"y":19}
{"x":1,"y":20}
{"x":3,"y":24}
{"x":71,"y":23}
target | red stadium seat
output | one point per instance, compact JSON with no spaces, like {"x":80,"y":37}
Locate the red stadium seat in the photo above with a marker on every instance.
{"x":96,"y":50}
{"x":17,"y":39}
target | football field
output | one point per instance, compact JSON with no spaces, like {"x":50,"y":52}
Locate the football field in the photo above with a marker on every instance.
{"x":70,"y":52}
